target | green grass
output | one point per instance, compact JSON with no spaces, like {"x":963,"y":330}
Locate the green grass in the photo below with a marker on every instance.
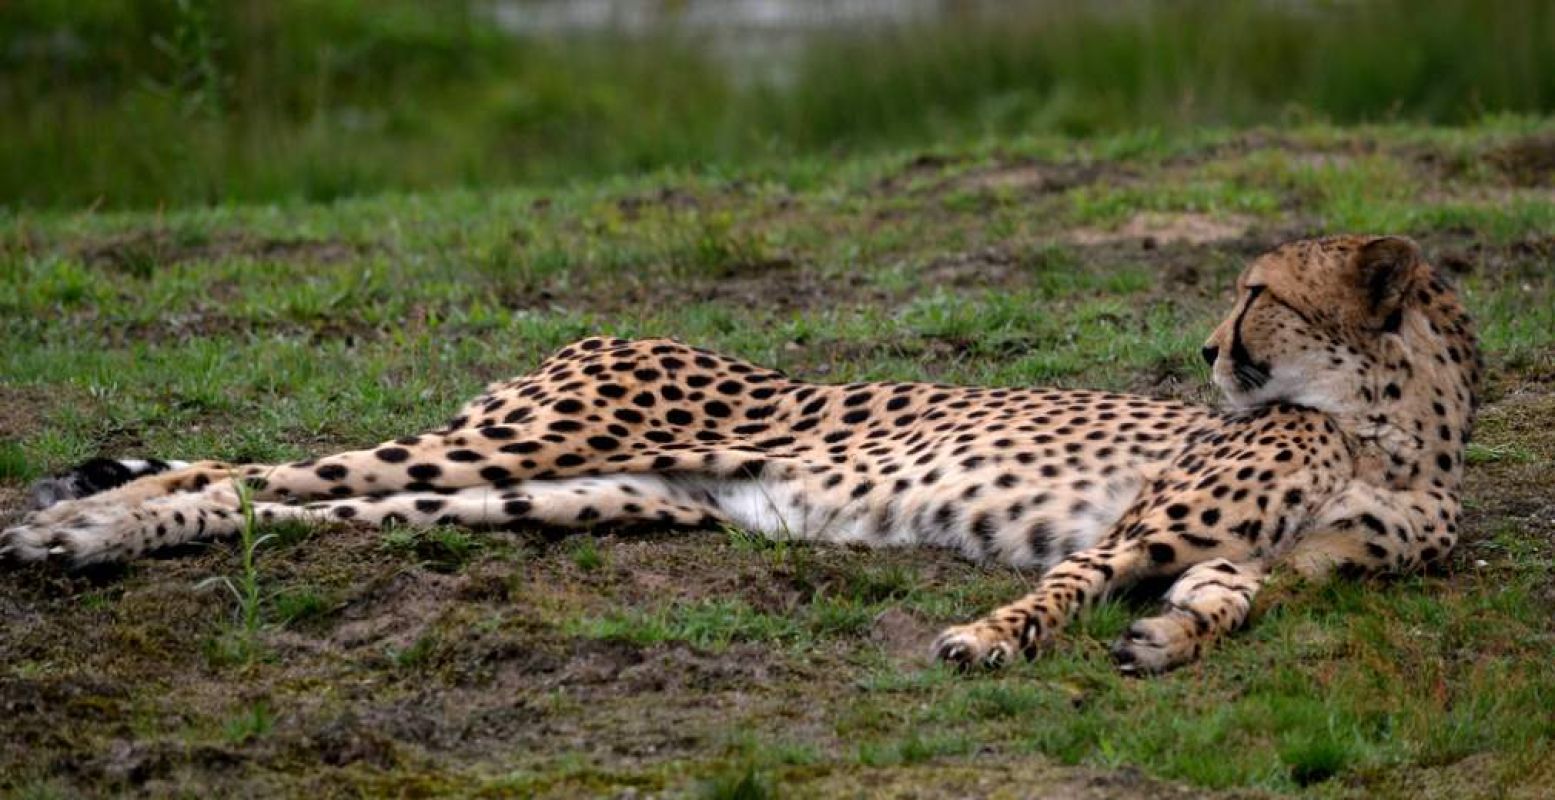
{"x":443,"y":661}
{"x":156,"y":103}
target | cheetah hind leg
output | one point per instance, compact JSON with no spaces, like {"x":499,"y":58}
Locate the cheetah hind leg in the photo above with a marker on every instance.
{"x":83,"y":532}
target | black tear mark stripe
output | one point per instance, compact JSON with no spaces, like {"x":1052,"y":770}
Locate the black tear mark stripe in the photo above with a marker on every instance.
{"x":1239,"y":352}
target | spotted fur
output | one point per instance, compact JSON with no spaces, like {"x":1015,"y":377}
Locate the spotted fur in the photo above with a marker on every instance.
{"x":1349,"y":366}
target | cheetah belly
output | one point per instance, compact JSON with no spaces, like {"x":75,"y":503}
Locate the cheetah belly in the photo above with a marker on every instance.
{"x":1021,"y":528}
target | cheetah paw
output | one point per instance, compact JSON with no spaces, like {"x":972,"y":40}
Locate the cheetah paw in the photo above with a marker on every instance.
{"x":77,"y":539}
{"x":1152,"y":646}
{"x":978,"y":644}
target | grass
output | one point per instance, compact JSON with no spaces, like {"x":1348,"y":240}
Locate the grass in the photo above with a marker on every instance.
{"x":243,"y":643}
{"x":440,"y":661}
{"x":155,"y":103}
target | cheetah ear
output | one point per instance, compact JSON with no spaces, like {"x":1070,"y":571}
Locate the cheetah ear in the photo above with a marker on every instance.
{"x":1386,"y":268}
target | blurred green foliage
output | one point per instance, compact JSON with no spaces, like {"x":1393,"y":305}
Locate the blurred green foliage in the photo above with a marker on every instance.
{"x":147,"y":103}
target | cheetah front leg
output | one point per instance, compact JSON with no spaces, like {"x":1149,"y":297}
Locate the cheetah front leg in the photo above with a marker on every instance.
{"x":1026,"y":624}
{"x":1368,"y":530}
{"x":1207,"y":602}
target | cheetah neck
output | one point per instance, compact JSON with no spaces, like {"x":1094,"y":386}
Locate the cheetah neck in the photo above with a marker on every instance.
{"x":1413,"y":433}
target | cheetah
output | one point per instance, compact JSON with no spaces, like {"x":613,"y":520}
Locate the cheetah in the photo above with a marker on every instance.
{"x":1348,"y":366}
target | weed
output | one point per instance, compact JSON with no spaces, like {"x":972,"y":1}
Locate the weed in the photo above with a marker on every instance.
{"x":245,"y":587}
{"x":585,"y":554}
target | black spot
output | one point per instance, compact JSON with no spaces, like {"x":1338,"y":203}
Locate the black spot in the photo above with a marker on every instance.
{"x":345,"y":512}
{"x":495,"y":474}
{"x":498,"y":432}
{"x":612,"y":390}
{"x":1177,"y":510}
{"x":855,"y":417}
{"x":678,"y":416}
{"x":424,"y":472}
{"x":1162,"y":553}
{"x":730,"y":387}
{"x":393,"y":455}
{"x":717,"y":408}
{"x":568,"y":406}
{"x":465,"y":456}
{"x":429,"y":505}
{"x":521,"y":448}
{"x":603,"y":443}
{"x":628,"y":416}
{"x":516,"y":508}
{"x":331,"y":472}
{"x":570,"y":460}
{"x":1210,"y":516}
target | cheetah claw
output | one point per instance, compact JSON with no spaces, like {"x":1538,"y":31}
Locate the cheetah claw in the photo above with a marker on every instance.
{"x":974,"y":645}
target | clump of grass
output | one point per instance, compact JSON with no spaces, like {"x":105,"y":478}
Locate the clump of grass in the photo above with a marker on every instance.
{"x":14,"y":464}
{"x":418,"y":654}
{"x":440,"y":549}
{"x":712,"y":625}
{"x":1477,"y":454}
{"x":252,"y":723}
{"x":914,"y":748}
{"x":880,"y":584}
{"x":298,"y":605}
{"x":585,"y":554}
{"x":738,"y":784}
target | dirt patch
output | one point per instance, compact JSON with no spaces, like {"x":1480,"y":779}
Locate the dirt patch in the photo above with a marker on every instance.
{"x":1529,"y":161}
{"x":987,"y":267}
{"x":1035,"y":177}
{"x":903,"y":635}
{"x":1167,"y":228}
{"x":23,"y":409}
{"x":1518,"y":433}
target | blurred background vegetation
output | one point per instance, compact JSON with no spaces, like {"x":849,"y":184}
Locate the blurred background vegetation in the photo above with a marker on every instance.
{"x":163,"y":103}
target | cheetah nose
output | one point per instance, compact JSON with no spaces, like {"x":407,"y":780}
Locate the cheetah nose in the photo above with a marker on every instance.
{"x":1210,"y":353}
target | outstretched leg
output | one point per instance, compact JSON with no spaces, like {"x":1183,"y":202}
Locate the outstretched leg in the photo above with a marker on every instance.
{"x":1032,"y":620}
{"x":1208,"y":601}
{"x":99,"y":533}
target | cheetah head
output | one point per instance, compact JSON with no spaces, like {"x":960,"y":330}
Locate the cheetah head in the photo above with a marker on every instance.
{"x":1347,"y":325}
